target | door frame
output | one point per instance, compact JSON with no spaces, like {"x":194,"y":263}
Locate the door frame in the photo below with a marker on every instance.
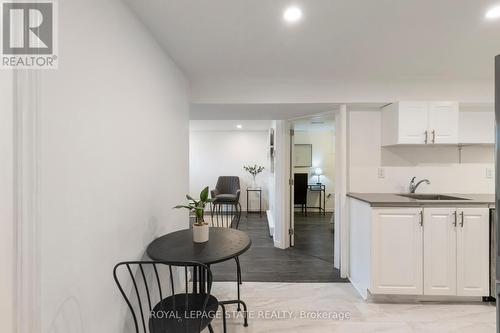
{"x":291,"y":183}
{"x":341,"y":222}
{"x":341,"y":226}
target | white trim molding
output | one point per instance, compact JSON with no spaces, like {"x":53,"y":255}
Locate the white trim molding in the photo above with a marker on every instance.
{"x":27,"y":200}
{"x":341,"y":242}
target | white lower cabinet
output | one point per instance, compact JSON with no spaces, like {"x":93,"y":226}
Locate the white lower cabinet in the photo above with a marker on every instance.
{"x":473,"y":252}
{"x":430,"y":251}
{"x":440,"y":251}
{"x":397,"y":251}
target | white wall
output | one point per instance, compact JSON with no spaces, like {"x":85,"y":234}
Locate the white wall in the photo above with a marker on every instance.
{"x":114,"y":160}
{"x":6,"y":202}
{"x":224,"y":153}
{"x":438,"y":164}
{"x":323,"y":156}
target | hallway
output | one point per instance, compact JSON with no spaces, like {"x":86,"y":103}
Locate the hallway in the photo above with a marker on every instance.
{"x":311,"y":260}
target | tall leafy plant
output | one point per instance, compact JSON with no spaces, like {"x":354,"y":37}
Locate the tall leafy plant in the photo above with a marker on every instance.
{"x":197,"y":206}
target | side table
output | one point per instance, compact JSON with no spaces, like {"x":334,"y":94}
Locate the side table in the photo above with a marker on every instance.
{"x":259,"y":191}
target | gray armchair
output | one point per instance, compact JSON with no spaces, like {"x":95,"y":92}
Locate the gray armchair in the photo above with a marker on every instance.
{"x":227,"y":190}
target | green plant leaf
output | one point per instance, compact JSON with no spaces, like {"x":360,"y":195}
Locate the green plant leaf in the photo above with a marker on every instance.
{"x":204,"y":194}
{"x":183,"y":206}
{"x":189,"y":197}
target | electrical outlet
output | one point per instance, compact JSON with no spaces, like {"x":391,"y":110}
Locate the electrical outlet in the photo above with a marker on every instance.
{"x":489,"y":173}
{"x":381,"y":173}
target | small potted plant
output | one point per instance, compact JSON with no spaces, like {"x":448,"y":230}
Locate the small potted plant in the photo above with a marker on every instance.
{"x":200,"y":228}
{"x":254,"y":171}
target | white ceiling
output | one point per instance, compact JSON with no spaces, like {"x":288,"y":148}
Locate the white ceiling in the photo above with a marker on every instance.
{"x":370,"y":40}
{"x":229,"y":125}
{"x":316,"y":124}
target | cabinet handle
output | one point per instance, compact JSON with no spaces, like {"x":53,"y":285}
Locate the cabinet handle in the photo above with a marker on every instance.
{"x":426,"y":136}
{"x":433,"y":136}
{"x":461,"y":219}
{"x":422,"y":219}
{"x":455,"y":219}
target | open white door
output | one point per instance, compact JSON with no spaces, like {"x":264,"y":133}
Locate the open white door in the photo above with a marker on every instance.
{"x":341,"y":240}
{"x":291,"y":230}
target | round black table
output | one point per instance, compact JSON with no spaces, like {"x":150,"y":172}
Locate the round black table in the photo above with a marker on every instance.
{"x":223,"y":244}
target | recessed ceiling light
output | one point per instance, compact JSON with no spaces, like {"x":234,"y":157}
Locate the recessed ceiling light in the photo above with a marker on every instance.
{"x":239,"y":126}
{"x":493,"y":13}
{"x":292,"y":14}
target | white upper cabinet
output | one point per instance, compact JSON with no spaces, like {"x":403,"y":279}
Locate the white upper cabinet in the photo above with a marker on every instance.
{"x":412,"y":119}
{"x":420,"y":123}
{"x":443,"y":122}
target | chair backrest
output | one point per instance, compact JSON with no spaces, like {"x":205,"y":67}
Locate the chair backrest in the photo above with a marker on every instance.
{"x":148,"y":287}
{"x":228,"y":184}
{"x":300,"y":188}
{"x":224,"y":215}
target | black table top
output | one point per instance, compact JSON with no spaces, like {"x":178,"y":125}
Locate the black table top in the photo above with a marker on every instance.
{"x":223,"y":244}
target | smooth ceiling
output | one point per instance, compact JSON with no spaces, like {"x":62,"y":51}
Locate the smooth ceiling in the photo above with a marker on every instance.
{"x":370,"y":40}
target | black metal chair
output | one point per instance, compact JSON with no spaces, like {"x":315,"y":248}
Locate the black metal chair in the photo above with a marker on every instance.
{"x":300,"y":190}
{"x":163,"y":299}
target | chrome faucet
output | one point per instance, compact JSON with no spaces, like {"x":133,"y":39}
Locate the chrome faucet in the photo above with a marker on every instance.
{"x":413,"y":186}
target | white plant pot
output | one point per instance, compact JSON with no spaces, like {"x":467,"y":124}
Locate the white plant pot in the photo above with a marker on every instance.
{"x":200,"y":233}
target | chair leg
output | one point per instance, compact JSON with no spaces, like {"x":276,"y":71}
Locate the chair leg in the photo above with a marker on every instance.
{"x":210,"y":329}
{"x":223,"y":317}
{"x":238,"y":212}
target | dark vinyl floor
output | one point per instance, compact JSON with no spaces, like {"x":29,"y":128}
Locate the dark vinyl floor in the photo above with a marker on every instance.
{"x":311,"y":260}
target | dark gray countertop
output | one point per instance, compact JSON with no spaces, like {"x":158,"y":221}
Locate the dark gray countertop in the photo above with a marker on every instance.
{"x":394,"y":200}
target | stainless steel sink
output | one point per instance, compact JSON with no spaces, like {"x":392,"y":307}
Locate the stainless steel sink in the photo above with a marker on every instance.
{"x":430,"y":197}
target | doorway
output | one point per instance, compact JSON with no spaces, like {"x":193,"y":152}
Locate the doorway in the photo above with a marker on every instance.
{"x":220,"y":148}
{"x":312,"y":193}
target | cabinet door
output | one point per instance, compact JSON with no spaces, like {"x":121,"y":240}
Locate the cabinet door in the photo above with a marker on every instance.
{"x":413,"y":122}
{"x":397,"y":251}
{"x":440,"y":248}
{"x":473,"y":252}
{"x":443,"y":122}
